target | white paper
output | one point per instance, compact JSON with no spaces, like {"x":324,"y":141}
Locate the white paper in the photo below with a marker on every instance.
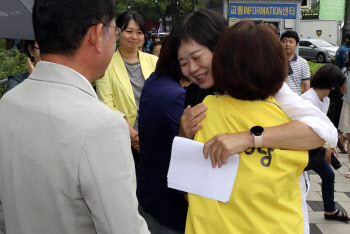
{"x":190,"y":172}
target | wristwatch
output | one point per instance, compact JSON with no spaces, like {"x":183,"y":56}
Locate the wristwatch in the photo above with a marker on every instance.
{"x":257,"y":132}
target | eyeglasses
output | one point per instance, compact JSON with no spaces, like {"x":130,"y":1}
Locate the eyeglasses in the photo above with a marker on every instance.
{"x":117,"y":31}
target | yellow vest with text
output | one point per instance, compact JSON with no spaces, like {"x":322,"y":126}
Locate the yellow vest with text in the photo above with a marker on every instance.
{"x":266,"y":196}
{"x":115,"y":89}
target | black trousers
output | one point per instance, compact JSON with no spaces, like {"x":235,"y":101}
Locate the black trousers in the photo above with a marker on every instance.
{"x":136,"y":156}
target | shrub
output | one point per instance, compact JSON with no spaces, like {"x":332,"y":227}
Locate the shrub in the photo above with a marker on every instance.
{"x":11,"y":62}
{"x":333,"y":60}
{"x":314,"y":67}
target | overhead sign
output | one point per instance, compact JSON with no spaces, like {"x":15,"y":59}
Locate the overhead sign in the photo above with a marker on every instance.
{"x":309,"y":15}
{"x":261,"y":10}
{"x":332,"y":9}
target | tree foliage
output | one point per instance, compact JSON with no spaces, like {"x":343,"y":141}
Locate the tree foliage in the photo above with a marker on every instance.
{"x":160,"y":10}
{"x":11,"y":62}
{"x":315,"y":7}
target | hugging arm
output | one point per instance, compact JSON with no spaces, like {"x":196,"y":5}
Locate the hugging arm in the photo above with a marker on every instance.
{"x":293,"y":135}
{"x":309,"y":129}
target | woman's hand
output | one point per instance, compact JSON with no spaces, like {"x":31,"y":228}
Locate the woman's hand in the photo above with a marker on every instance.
{"x":135,"y":142}
{"x":221,"y":146}
{"x":190,"y":119}
{"x":328,"y":155}
{"x":134,"y":137}
{"x":334,"y":151}
{"x":30,"y":65}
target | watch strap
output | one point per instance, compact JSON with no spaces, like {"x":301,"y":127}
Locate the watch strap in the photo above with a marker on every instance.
{"x":258,"y":140}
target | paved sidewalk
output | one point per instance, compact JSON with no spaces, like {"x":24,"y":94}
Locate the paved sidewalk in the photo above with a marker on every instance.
{"x":318,"y":224}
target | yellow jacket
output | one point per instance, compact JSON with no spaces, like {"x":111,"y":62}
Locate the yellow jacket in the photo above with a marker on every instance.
{"x":266,"y":195}
{"x":115,"y":89}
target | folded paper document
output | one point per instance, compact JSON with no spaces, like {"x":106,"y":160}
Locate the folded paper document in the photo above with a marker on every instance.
{"x":190,"y":172}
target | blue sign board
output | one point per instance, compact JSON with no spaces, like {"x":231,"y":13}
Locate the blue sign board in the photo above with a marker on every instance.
{"x":261,"y":10}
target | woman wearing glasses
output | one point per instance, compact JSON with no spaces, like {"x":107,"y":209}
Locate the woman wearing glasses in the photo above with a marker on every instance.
{"x":31,"y":48}
{"x":120,"y":88}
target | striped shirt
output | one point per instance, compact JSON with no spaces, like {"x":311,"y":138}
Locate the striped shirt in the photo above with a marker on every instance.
{"x":300,"y":71}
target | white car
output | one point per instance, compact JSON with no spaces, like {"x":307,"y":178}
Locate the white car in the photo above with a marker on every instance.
{"x":317,"y":49}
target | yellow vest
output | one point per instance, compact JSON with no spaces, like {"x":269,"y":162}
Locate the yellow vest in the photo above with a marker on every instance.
{"x":266,"y":196}
{"x":115,"y":89}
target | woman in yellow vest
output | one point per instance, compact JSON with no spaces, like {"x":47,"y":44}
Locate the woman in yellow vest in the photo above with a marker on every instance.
{"x":120,"y":88}
{"x":266,"y":194}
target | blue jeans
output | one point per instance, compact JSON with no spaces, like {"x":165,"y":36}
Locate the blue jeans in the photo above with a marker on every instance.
{"x":325,"y":171}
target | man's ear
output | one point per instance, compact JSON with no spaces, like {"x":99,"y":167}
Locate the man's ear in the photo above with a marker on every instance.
{"x":96,"y":36}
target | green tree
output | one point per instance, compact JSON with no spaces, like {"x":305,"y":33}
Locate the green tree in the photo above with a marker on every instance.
{"x":11,"y":62}
{"x":150,"y":9}
{"x":315,"y":7}
{"x":185,"y":7}
{"x":122,"y":6}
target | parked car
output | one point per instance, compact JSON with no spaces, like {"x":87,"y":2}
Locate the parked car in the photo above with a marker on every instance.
{"x":317,"y":49}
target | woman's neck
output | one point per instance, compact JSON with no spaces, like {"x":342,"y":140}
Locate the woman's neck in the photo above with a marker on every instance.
{"x":129,"y":56}
{"x":321,"y":93}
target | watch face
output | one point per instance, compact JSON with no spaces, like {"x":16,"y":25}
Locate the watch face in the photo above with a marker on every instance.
{"x":257,"y":130}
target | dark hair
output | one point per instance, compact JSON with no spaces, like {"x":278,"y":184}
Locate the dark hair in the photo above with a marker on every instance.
{"x":25,"y":48}
{"x":248,"y":72}
{"x":60,"y":25}
{"x":145,"y":42}
{"x":204,"y":27}
{"x":347,"y":35}
{"x":167,"y":64}
{"x":327,"y":77}
{"x":290,"y":34}
{"x":154,"y":44}
{"x":124,"y":19}
{"x":154,"y":37}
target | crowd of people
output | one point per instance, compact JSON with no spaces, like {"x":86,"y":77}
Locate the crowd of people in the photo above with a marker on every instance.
{"x":76,"y":160}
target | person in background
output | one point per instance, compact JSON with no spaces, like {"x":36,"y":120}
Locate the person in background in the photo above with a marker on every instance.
{"x":65,"y":158}
{"x":299,"y":71}
{"x":342,"y":53}
{"x":155,"y":48}
{"x":120,"y":88}
{"x":32,"y":50}
{"x":148,"y":42}
{"x":344,"y":122}
{"x":142,"y":43}
{"x":155,"y":38}
{"x":336,"y":95}
{"x":327,"y":78}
